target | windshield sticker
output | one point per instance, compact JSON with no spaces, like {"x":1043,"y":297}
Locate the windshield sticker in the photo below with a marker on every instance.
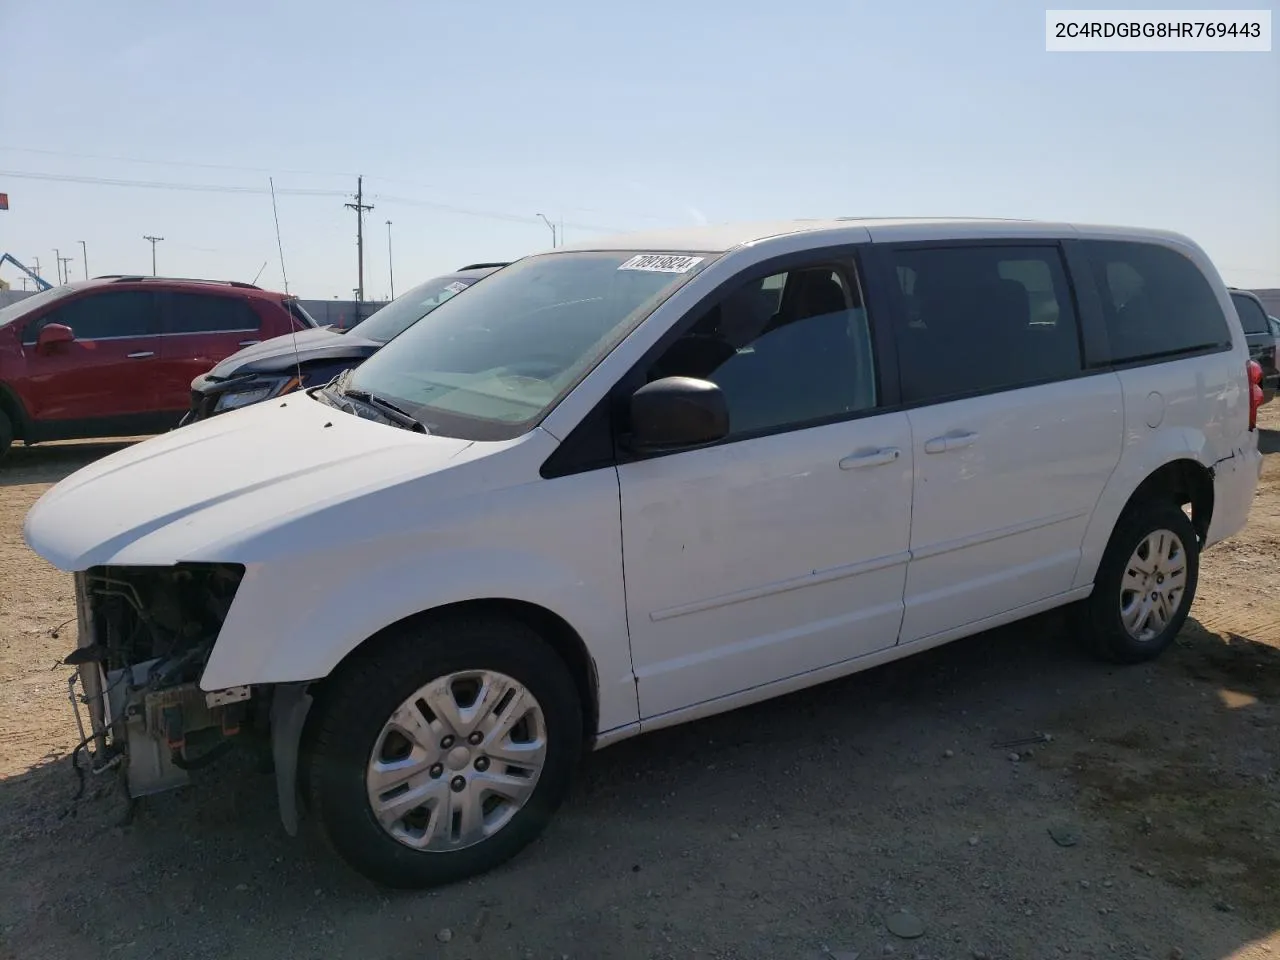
{"x":661,"y":263}
{"x":456,"y":287}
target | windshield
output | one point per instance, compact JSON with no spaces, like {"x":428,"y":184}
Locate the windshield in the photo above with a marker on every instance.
{"x":20,"y":308}
{"x":492,"y":363}
{"x":408,"y":308}
{"x":1251,"y":316}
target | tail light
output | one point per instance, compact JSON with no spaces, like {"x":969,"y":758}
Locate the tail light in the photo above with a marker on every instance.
{"x":1255,"y":391}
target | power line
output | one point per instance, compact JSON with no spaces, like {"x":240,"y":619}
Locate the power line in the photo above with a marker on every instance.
{"x":248,"y":169}
{"x":295,"y":192}
{"x":170,"y":163}
{"x":160,"y":184}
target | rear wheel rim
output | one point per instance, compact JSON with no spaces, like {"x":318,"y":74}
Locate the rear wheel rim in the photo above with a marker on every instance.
{"x":1153,"y":585}
{"x":456,"y":761}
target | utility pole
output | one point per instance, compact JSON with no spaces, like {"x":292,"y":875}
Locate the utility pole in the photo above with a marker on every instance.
{"x":154,"y":241}
{"x":36,"y":261}
{"x":57,"y":266}
{"x":85,"y":251}
{"x":552,"y":226}
{"x":391,"y":270}
{"x":66,"y":270}
{"x":359,"y":207}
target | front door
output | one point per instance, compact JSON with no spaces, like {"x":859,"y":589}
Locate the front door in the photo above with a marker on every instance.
{"x":1013,"y":444}
{"x":108,"y":371}
{"x":783,"y":549}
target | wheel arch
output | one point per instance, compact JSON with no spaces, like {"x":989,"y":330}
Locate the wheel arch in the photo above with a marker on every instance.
{"x":11,"y":405}
{"x":1179,"y":476}
{"x":1187,"y":481}
{"x":293,"y":724}
{"x":567,"y":643}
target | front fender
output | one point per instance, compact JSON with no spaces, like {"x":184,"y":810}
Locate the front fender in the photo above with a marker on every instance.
{"x":296,"y":617}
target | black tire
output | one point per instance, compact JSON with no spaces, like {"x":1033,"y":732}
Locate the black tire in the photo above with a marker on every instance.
{"x":359,"y":700}
{"x":1100,"y":615}
{"x":6,"y":433}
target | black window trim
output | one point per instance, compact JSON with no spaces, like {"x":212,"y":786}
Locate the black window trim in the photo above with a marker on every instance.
{"x":35,"y":323}
{"x":1082,"y":266}
{"x":584,"y":448}
{"x":1086,"y":330}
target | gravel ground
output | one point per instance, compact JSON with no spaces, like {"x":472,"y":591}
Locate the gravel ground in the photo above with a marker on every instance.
{"x":1148,"y":826}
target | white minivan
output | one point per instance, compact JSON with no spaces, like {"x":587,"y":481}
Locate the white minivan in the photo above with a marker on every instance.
{"x":635,"y":482}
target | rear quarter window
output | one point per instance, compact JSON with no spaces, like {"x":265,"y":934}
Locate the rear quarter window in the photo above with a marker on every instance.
{"x":1156,"y":303}
{"x":206,"y":313}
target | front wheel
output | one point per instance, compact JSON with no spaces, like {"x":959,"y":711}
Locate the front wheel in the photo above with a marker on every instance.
{"x":446,"y":751}
{"x":1145,"y":584}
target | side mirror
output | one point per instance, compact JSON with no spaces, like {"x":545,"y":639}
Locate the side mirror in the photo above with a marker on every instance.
{"x":53,"y":334}
{"x":677,"y":412}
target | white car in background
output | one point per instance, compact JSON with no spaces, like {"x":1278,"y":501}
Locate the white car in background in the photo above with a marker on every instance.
{"x":628,"y":484}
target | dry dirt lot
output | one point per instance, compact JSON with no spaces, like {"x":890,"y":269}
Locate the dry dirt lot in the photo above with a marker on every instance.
{"x":785,"y":830}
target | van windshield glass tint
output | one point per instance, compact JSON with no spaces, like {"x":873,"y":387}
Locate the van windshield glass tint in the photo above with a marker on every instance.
{"x":491,"y":363}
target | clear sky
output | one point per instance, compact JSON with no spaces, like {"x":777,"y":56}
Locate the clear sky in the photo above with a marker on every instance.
{"x":468,"y":119}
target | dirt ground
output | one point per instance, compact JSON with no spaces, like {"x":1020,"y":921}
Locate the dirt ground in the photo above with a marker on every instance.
{"x":789,"y":829}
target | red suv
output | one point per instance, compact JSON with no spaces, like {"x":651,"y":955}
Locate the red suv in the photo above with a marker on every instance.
{"x":115,"y":356}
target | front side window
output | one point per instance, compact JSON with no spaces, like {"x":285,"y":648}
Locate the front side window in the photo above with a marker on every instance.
{"x":1251,"y":316}
{"x":27,"y":305}
{"x":790,"y":350}
{"x":112,"y":314}
{"x":1156,"y":303}
{"x":981,"y":318}
{"x":408,"y":308}
{"x":203,"y":313}
{"x":490,"y":364}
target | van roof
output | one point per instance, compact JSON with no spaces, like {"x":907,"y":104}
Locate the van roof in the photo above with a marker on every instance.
{"x":722,"y":237}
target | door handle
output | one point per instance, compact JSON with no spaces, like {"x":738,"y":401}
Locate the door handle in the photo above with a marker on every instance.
{"x":950,"y":441}
{"x":871,"y":458}
{"x":142,"y":355}
{"x":249,"y":343}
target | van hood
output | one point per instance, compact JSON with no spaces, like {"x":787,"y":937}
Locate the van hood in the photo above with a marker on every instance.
{"x":200,"y":493}
{"x":285,"y":352}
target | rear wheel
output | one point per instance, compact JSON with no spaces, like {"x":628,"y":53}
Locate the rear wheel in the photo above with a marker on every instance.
{"x":445,"y":752}
{"x":1145,"y":584}
{"x":6,"y":433}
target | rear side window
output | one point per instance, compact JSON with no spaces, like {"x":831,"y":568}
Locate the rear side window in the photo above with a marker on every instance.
{"x":1251,"y":316}
{"x":1156,"y":303}
{"x":983,"y":318}
{"x":103,"y":316}
{"x":200,"y":313}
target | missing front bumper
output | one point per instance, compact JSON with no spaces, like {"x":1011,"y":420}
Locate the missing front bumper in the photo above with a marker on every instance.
{"x":158,"y":729}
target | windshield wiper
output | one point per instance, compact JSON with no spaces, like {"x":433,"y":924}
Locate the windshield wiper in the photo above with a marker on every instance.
{"x":387,"y":409}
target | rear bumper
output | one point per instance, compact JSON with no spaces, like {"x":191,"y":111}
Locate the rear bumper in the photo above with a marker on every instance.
{"x":1235,"y":481}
